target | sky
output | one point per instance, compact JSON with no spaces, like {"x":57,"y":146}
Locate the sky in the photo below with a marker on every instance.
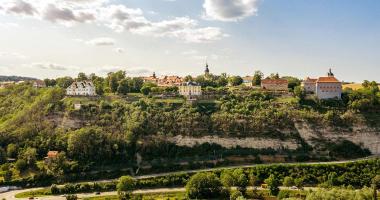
{"x":48,"y":39}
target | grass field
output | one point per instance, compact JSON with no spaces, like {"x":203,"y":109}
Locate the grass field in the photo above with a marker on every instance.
{"x":354,"y":86}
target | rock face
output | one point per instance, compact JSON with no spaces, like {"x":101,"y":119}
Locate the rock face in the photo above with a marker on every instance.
{"x":257,"y":143}
{"x":361,"y":135}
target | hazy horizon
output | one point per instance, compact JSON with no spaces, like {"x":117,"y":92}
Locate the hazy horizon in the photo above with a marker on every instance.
{"x":176,"y":37}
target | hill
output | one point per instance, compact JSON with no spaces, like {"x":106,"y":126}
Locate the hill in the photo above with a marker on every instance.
{"x":15,"y":78}
{"x":146,"y":134}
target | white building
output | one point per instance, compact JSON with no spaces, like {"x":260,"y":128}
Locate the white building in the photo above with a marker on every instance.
{"x":310,"y":84}
{"x":39,"y":84}
{"x":190,"y":89}
{"x":327,"y":87}
{"x":247,"y":81}
{"x":81,"y":88}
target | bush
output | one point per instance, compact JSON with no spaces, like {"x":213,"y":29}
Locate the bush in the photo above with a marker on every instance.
{"x":204,"y":186}
{"x":235,"y":195}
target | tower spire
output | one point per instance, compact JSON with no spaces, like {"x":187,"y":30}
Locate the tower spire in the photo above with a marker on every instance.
{"x":330,"y":73}
{"x":207,"y":70}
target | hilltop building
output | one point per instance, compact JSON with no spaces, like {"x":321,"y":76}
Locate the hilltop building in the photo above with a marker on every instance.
{"x":310,"y":85}
{"x":274,"y":84}
{"x":327,"y":87}
{"x":81,"y":88}
{"x":207,"y":70}
{"x":247,"y":81}
{"x":39,"y":84}
{"x":190,"y":89}
{"x":165,"y":81}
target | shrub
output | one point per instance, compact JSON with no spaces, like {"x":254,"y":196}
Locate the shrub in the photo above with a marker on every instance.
{"x":204,"y":186}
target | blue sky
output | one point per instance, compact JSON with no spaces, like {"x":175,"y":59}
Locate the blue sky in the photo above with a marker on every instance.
{"x":293,"y":37}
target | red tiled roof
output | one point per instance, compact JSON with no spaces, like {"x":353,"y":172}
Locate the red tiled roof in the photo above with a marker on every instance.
{"x":275,"y":81}
{"x":52,"y":154}
{"x":311,"y":80}
{"x":329,"y":79}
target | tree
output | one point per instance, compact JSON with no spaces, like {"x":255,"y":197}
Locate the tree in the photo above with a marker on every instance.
{"x":12,"y":150}
{"x":3,"y":156}
{"x":257,"y":77}
{"x":227,"y":179}
{"x":145,"y":90}
{"x":188,"y":78}
{"x":288,"y":181}
{"x":375,"y":185}
{"x":235,"y":195}
{"x":82,"y":77}
{"x":204,"y":185}
{"x":71,"y":197}
{"x":50,"y":82}
{"x":7,"y":175}
{"x":30,"y":156}
{"x":125,"y":186}
{"x":299,"y":182}
{"x":241,"y":180}
{"x":235,"y":80}
{"x":123,"y":87}
{"x":64,"y":82}
{"x":274,"y":76}
{"x":273,"y":185}
{"x":300,"y":92}
{"x":21,"y":165}
{"x":292,"y":82}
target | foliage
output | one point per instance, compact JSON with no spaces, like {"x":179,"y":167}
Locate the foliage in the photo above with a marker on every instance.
{"x":273,"y":184}
{"x":204,"y":186}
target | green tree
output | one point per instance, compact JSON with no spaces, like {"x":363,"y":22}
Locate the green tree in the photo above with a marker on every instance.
{"x":288,"y":181}
{"x":21,"y":165}
{"x":299,"y":182}
{"x":145,"y":90}
{"x":30,"y":156}
{"x":227,"y":179}
{"x":273,"y":185}
{"x":82,"y":77}
{"x":299,"y":92}
{"x":375,"y":185}
{"x":204,"y":185}
{"x":3,"y":156}
{"x":125,"y":186}
{"x":236,"y":195}
{"x":241,"y":181}
{"x":7,"y":175}
{"x":123,"y":87}
{"x":12,"y":150}
{"x":64,"y":82}
{"x":257,"y":77}
{"x":235,"y":80}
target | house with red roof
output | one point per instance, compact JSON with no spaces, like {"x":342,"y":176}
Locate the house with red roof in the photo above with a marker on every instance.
{"x":327,"y":87}
{"x":274,"y":84}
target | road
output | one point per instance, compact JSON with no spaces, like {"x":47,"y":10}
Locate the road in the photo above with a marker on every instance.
{"x":10,"y":195}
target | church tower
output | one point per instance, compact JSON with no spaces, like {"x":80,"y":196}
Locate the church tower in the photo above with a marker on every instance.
{"x":330,"y":74}
{"x":207,"y":70}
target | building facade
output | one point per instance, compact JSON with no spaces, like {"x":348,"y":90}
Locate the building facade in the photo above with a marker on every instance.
{"x":81,"y":88}
{"x":309,"y":84}
{"x":247,"y":81}
{"x":274,"y":84}
{"x":39,"y":84}
{"x":327,"y":87}
{"x":190,"y":89}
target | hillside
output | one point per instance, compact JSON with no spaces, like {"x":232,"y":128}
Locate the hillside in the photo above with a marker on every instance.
{"x":150,"y":134}
{"x":15,"y":78}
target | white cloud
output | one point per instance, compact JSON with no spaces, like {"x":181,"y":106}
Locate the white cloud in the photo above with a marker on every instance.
{"x":102,"y":41}
{"x":119,"y":18}
{"x":12,"y":55}
{"x":21,"y":7}
{"x":229,"y":10}
{"x":119,"y":50}
{"x":52,"y":66}
{"x":122,"y":19}
{"x":55,"y":14}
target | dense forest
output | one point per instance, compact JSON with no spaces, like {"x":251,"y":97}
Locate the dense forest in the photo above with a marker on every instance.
{"x":127,"y":121}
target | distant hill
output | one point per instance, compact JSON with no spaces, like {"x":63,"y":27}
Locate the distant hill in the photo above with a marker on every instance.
{"x":15,"y":78}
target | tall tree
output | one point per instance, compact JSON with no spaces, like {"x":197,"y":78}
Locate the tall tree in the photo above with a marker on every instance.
{"x":257,"y":77}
